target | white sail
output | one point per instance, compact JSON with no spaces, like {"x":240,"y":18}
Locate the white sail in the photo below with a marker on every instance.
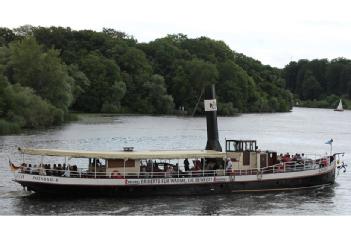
{"x":339,"y":108}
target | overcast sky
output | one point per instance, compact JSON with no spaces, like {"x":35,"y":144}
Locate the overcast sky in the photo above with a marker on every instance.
{"x":274,"y":32}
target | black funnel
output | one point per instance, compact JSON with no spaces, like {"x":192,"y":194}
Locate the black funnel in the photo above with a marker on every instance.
{"x":211,"y":119}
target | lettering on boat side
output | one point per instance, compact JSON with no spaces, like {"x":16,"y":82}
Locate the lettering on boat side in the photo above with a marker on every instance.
{"x":45,"y":179}
{"x":19,"y":177}
{"x":169,"y":181}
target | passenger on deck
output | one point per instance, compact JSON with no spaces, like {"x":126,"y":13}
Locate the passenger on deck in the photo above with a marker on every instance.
{"x":219,"y":170}
{"x":35,"y":170}
{"x":143,"y":172}
{"x":29,"y":169}
{"x":54,"y":170}
{"x":186,"y":165}
{"x":23,"y":168}
{"x":176,"y":167}
{"x":48,"y":169}
{"x":42,"y":170}
{"x":209,"y":166}
{"x":149,"y":166}
{"x":197,"y":165}
{"x":298,"y":157}
{"x":74,"y":171}
{"x":169,"y":171}
{"x":156,"y":168}
{"x":67,"y":172}
{"x":286,"y":158}
{"x":98,"y":163}
{"x":323,"y":163}
{"x":229,"y":166}
{"x":294,"y":158}
{"x":59,"y":170}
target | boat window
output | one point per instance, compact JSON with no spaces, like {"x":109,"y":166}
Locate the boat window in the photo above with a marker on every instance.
{"x":231,"y":146}
{"x":246,"y":158}
{"x":251,"y":146}
{"x":240,"y":146}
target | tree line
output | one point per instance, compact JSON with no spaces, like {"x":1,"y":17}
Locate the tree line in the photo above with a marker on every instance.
{"x":319,"y":82}
{"x":48,"y":73}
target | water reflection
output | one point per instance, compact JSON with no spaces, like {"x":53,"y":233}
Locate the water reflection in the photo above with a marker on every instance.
{"x":304,"y":202}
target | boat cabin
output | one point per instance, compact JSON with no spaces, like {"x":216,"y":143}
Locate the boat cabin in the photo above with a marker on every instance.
{"x":244,"y":155}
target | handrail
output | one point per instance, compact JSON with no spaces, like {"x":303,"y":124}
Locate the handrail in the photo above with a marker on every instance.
{"x":291,"y":166}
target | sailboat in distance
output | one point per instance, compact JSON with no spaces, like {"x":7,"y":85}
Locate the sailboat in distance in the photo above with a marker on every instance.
{"x":339,"y":108}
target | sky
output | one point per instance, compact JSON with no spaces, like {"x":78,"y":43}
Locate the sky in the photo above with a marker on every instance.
{"x":272,"y":31}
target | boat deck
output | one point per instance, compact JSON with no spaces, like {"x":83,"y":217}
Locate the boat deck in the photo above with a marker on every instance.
{"x":74,"y":172}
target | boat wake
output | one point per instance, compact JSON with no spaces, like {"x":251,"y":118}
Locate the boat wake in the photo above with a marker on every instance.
{"x":14,"y":194}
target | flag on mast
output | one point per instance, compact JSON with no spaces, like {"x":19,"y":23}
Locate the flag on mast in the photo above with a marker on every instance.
{"x":329,"y":142}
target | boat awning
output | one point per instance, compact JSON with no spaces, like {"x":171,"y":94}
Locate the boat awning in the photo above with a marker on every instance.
{"x":124,"y":155}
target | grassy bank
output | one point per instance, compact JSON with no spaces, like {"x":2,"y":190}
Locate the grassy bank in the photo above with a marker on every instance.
{"x":13,"y":127}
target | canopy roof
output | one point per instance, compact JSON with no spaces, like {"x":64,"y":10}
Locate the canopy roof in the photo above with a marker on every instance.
{"x":125,"y":155}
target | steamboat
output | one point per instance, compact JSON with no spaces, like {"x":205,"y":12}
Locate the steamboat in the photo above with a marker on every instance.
{"x":240,"y":167}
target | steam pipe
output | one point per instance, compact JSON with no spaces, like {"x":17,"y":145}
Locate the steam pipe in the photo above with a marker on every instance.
{"x":211,"y":119}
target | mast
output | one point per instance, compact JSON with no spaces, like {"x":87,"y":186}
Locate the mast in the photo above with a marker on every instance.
{"x":211,"y":119}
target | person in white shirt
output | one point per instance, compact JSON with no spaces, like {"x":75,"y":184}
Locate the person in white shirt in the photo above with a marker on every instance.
{"x":67,"y":172}
{"x":229,"y":165}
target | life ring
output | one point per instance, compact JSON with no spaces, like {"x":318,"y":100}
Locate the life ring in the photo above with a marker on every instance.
{"x":116,"y":175}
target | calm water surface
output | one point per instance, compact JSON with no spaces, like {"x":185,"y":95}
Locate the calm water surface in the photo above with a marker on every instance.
{"x":302,"y":130}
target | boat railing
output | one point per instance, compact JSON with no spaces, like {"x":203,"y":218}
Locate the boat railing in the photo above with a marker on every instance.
{"x":283,"y":167}
{"x":300,"y":165}
{"x":85,"y":173}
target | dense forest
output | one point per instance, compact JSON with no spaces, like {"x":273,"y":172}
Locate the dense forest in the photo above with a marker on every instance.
{"x":48,"y":73}
{"x":319,"y":83}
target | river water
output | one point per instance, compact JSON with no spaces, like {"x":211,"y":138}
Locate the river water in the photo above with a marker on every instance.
{"x":300,"y":131}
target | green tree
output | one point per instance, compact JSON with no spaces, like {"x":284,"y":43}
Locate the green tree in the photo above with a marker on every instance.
{"x":234,"y":85}
{"x":106,"y":87}
{"x":156,"y":95}
{"x":190,"y":79}
{"x":6,"y":36}
{"x":208,"y":49}
{"x":21,"y":108}
{"x":42,"y":71}
{"x":311,"y":89}
{"x":29,"y":110}
{"x":81,"y":81}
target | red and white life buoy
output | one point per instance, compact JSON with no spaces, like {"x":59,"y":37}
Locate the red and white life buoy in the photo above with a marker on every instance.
{"x":116,"y":175}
